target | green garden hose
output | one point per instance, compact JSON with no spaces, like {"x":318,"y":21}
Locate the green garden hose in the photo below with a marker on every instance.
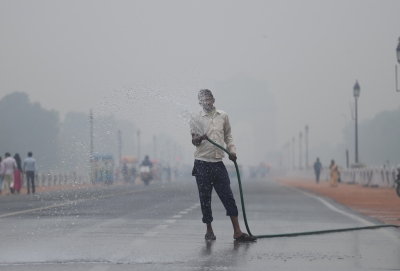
{"x":294,"y":233}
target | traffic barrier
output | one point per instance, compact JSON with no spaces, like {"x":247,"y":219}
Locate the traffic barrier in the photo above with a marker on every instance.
{"x":50,"y":178}
{"x":368,"y":176}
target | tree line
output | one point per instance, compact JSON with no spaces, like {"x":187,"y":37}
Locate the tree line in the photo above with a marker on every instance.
{"x":58,"y":145}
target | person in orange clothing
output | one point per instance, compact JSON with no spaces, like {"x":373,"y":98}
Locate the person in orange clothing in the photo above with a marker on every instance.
{"x":335,"y":173}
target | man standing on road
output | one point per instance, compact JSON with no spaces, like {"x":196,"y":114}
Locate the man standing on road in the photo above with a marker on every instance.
{"x":317,"y":169}
{"x":9,"y":165}
{"x":29,"y":167}
{"x":209,"y":170}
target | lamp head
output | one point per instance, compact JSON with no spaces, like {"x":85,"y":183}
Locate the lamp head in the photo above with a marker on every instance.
{"x":398,"y":51}
{"x":356,"y":90}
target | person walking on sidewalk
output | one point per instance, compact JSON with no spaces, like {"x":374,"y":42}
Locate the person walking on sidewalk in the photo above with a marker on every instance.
{"x":335,"y":173}
{"x":209,"y":170}
{"x":9,"y":166}
{"x":17,"y":175}
{"x":29,"y":167}
{"x":317,"y":169}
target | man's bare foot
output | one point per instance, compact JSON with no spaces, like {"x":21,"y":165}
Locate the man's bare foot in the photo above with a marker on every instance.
{"x":210,"y":236}
{"x":246,"y":238}
{"x":237,"y":234}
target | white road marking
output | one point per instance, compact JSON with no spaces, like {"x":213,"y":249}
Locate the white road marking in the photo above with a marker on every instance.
{"x":150,"y":234}
{"x":333,"y":208}
{"x":99,"y":268}
{"x":69,"y":203}
{"x":176,"y":216}
{"x":188,"y":210}
{"x":170,"y":221}
{"x":161,"y":227}
{"x":41,"y":208}
{"x":183,"y":213}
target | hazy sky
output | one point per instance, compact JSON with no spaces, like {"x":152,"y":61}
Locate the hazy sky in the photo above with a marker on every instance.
{"x":73,"y":55}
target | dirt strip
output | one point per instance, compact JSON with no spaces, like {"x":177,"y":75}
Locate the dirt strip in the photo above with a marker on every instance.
{"x":380,"y":203}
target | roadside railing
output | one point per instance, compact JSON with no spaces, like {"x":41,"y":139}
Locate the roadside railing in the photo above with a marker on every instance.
{"x":368,"y":176}
{"x":43,"y":179}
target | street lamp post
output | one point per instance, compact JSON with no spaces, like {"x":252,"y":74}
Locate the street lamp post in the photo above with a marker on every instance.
{"x":398,"y":60}
{"x":285,"y":156}
{"x":306,"y":137}
{"x":91,"y":146}
{"x":293,"y":154}
{"x":155,"y":146}
{"x":289,"y":155}
{"x":138,"y":136}
{"x":168,"y":152}
{"x":119,"y":148}
{"x":91,"y":132}
{"x":300,"y":153}
{"x":356,"y":93}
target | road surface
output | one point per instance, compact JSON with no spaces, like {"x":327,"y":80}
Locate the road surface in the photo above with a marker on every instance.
{"x":133,"y":227}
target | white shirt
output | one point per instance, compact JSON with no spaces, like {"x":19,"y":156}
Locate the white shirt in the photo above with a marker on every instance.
{"x":218,"y":129}
{"x":9,"y":165}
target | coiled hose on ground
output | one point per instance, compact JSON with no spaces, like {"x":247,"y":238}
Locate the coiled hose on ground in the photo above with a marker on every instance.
{"x":293,"y":233}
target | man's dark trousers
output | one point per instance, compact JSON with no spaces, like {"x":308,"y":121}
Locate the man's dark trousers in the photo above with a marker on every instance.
{"x":317,"y":173}
{"x":30,"y":178}
{"x":209,"y":175}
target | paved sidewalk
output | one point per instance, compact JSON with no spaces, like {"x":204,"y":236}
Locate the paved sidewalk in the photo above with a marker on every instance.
{"x":380,"y":203}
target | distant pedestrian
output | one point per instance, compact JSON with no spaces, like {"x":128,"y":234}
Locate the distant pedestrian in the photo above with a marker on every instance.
{"x":317,"y":169}
{"x":398,"y":172}
{"x":9,"y":166}
{"x":133,"y":174}
{"x":125,"y":172}
{"x":17,"y":174}
{"x":335,"y":172}
{"x":29,"y":167}
{"x":1,"y":175}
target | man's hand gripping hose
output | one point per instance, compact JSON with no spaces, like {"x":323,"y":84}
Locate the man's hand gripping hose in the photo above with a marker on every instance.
{"x":204,"y":137}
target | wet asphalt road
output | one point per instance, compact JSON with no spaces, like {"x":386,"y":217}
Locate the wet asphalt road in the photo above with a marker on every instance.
{"x":132,"y":227}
